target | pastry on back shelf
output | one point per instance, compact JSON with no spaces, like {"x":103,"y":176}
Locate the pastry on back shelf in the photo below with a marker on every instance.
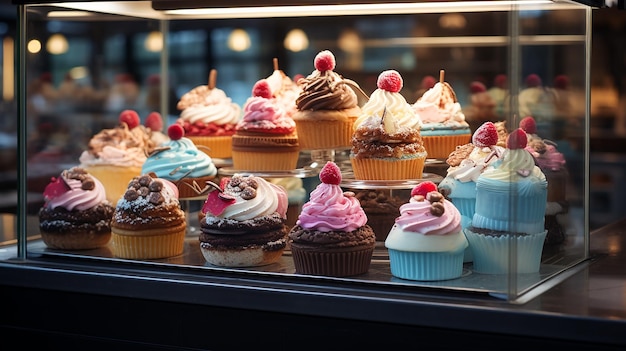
{"x":209,"y":118}
{"x":443,"y":122}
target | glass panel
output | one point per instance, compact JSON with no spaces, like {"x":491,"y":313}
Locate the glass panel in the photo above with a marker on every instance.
{"x":114,"y":63}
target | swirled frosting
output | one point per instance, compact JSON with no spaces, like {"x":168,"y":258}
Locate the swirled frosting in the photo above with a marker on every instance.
{"x":267,"y":200}
{"x":515,"y":164}
{"x":77,"y":195}
{"x":330,"y":209}
{"x":439,"y":110}
{"x":387,"y":127}
{"x":118,"y":146}
{"x":265,"y":116}
{"x":325,"y":90}
{"x":284,"y":91}
{"x":479,"y":159}
{"x":208,"y":112}
{"x":421,"y":227}
{"x":547,"y":157}
{"x":179,"y":158}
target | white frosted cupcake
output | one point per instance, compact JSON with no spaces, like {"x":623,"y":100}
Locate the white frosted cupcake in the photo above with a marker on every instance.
{"x":427,"y":242}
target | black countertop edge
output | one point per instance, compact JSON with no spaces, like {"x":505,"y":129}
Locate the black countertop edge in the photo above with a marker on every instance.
{"x":384,"y":304}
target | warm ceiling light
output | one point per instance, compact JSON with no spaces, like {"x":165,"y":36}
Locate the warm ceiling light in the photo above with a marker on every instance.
{"x":57,"y":44}
{"x":452,"y":21}
{"x":350,"y":41}
{"x":239,"y":40}
{"x":296,"y":40}
{"x":67,"y":14}
{"x":78,"y":72}
{"x":154,"y":41}
{"x":34,"y":46}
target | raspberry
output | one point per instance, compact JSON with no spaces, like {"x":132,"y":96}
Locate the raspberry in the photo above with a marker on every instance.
{"x":533,"y":81}
{"x":477,"y":87}
{"x":262,"y":89}
{"x":330,"y":174}
{"x":517,"y":139}
{"x":528,"y":125}
{"x":175,"y":131}
{"x":423,"y":188}
{"x":485,"y":135}
{"x":56,"y":187}
{"x":154,"y":121}
{"x":130,"y":117}
{"x":389,"y":80}
{"x":324,"y":61}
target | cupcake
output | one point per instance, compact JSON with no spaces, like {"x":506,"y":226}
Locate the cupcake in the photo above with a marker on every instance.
{"x":114,"y":156}
{"x":427,"y":242}
{"x":466,"y":163}
{"x":552,"y":164}
{"x":386,"y":144}
{"x":284,"y":90}
{"x":381,"y":207}
{"x":326,"y":107}
{"x":510,"y":206}
{"x":244,"y":223}
{"x":148,"y":222}
{"x":76,"y":214}
{"x":182,"y":163}
{"x":443,"y":122}
{"x":209,"y":118}
{"x":331,"y":236}
{"x":265,"y":139}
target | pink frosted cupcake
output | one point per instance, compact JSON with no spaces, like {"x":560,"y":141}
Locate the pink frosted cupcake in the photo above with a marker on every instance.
{"x":427,"y":242}
{"x":331,"y":236}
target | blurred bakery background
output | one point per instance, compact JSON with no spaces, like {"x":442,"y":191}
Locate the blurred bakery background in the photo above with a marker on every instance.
{"x":80,"y":77}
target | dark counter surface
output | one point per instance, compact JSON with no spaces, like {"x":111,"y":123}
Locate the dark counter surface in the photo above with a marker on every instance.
{"x":584,"y":309}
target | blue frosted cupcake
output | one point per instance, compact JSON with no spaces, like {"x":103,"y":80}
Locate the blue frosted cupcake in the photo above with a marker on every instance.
{"x":511,"y":202}
{"x":466,"y":163}
{"x":426,"y":243}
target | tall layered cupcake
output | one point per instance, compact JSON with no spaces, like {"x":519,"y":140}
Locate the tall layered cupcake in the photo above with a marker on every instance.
{"x":443,"y":122}
{"x":386,"y":144}
{"x":326,"y":107}
{"x":148,"y":222}
{"x":244,"y":223}
{"x":209,"y":118}
{"x":181,"y":162}
{"x":116,"y":155}
{"x":331,"y":236}
{"x":510,"y":206}
{"x":76,"y":214}
{"x":265,"y":139}
{"x":427,"y":242}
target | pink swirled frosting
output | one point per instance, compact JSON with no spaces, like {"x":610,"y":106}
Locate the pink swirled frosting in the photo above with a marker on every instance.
{"x":77,"y":198}
{"x":330,"y":209}
{"x":415,"y":216}
{"x":261,"y":114}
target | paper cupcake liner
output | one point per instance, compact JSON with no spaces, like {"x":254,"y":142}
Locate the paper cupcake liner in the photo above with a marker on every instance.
{"x":318,"y":135}
{"x":265,"y":161}
{"x":214,"y":146}
{"x":148,"y":246}
{"x":75,"y":240}
{"x":491,"y":253}
{"x":252,"y":256}
{"x":466,"y":206}
{"x":426,"y":266}
{"x":338,"y":263}
{"x":387,"y":169}
{"x":438,"y":146}
{"x":114,"y":178}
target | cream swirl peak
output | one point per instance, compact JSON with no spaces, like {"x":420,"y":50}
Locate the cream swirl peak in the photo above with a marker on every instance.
{"x":330,"y":208}
{"x":74,"y":189}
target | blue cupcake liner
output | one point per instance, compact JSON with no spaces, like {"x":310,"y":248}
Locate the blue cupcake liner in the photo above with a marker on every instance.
{"x":426,"y":266}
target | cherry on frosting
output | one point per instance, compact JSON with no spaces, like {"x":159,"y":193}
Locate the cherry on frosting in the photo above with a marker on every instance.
{"x":330,"y":174}
{"x":130,"y":117}
{"x":533,"y":81}
{"x":262,"y":89}
{"x":528,"y":125}
{"x":485,"y":135}
{"x":423,"y":188}
{"x":517,"y":139}
{"x":390,"y":80}
{"x":477,"y":87}
{"x":154,"y":121}
{"x":324,"y":61}
{"x":175,"y":131}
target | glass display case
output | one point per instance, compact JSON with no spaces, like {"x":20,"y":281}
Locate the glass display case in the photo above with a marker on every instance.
{"x":82,"y":63}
